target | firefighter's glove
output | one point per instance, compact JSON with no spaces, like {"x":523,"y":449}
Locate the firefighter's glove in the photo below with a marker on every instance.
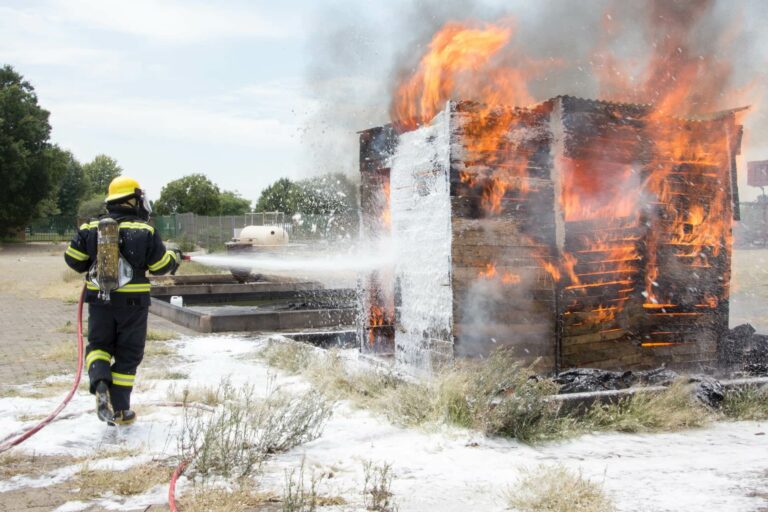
{"x":179,"y":258}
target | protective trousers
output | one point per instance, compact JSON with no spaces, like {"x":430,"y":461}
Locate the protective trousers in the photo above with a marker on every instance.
{"x":115,"y":333}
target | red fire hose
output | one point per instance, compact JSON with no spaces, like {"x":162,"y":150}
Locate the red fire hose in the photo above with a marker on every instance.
{"x":172,"y":487}
{"x":29,"y":433}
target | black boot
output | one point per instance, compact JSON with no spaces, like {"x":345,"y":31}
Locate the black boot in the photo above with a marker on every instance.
{"x":123,"y":418}
{"x":103,"y":407}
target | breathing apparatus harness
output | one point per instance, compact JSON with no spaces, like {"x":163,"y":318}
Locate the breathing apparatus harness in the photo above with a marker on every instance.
{"x":111,"y":270}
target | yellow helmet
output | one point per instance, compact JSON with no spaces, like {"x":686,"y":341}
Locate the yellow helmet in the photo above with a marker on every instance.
{"x":121,"y":187}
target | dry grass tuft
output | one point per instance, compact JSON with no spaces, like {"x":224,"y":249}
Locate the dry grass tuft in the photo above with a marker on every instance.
{"x":194,"y":268}
{"x":557,"y":489}
{"x":672,"y":409}
{"x":61,"y":352}
{"x":9,"y":391}
{"x":747,"y":403}
{"x":500,"y":397}
{"x":287,"y":355}
{"x":70,"y":276}
{"x":174,"y":375}
{"x":208,"y":395}
{"x":159,"y":349}
{"x":212,"y":499}
{"x":67,"y":290}
{"x":16,"y":463}
{"x":94,"y":483}
{"x":160,"y":335}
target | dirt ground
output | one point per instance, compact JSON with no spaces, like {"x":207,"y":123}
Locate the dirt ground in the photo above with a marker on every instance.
{"x":38,"y":314}
{"x":749,"y":288}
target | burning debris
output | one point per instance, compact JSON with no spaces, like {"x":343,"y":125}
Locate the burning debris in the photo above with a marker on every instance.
{"x":579,"y":380}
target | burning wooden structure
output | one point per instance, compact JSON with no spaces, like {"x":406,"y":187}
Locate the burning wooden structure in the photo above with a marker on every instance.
{"x":583,"y":233}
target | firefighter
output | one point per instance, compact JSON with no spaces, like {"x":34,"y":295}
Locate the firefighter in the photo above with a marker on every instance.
{"x":117,"y":323}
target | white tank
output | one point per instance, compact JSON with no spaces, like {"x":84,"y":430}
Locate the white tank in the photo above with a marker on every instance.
{"x":263,"y":235}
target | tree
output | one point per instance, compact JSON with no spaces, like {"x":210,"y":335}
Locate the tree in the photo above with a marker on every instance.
{"x":231,"y":203}
{"x":281,"y":196}
{"x":191,"y":194}
{"x":73,"y":188}
{"x":92,"y":207}
{"x":329,"y":194}
{"x":30,"y":167}
{"x":100,"y":172}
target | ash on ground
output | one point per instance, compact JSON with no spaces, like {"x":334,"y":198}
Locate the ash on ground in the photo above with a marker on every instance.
{"x":707,"y":390}
{"x":745,"y":350}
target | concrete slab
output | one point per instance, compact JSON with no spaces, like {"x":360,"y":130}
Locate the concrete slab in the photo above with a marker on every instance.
{"x":254,"y":320}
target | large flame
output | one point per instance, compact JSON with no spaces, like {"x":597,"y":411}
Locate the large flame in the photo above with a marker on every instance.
{"x":627,"y":205}
{"x":461,"y":64}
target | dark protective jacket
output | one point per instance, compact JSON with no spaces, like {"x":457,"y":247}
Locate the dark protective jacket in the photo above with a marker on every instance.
{"x":140,"y":245}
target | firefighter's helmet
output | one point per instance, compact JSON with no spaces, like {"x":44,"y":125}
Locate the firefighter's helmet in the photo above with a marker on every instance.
{"x":123,"y":187}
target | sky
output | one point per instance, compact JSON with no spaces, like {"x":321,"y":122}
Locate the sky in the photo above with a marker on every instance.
{"x":248,"y":91}
{"x":172,"y":87}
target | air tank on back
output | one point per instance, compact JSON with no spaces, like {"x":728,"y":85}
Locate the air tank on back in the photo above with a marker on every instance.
{"x":107,"y":257}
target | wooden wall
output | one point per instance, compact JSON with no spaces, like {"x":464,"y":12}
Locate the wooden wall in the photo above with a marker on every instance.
{"x":513,"y":238}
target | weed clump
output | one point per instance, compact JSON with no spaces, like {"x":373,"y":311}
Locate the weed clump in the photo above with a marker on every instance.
{"x":234,"y":440}
{"x":672,"y":409}
{"x":557,"y":489}
{"x":287,"y":355}
{"x":208,"y":395}
{"x":216,"y":499}
{"x":377,"y":487}
{"x":500,"y":397}
{"x":747,"y":403}
{"x":94,"y":483}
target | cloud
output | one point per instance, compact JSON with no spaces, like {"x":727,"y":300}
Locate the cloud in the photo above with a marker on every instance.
{"x":31,"y":39}
{"x":177,"y":21}
{"x":163,"y":120}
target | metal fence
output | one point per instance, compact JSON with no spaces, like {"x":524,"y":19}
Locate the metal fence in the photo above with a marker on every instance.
{"x":51,"y":229}
{"x":213,"y":232}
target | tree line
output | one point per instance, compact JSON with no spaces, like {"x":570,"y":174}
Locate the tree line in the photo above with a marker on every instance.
{"x":41,"y":179}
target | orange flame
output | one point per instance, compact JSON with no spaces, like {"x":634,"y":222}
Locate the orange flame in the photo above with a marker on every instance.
{"x":378,"y":317}
{"x":460,"y":64}
{"x":507,"y":278}
{"x":386,"y":213}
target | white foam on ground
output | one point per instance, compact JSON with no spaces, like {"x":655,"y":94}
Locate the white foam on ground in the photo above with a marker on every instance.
{"x":451,"y":470}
